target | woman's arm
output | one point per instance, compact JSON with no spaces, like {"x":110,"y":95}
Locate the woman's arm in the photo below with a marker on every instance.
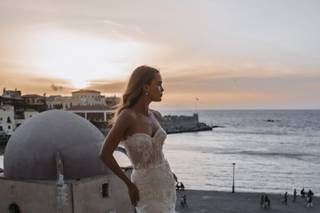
{"x":110,"y":144}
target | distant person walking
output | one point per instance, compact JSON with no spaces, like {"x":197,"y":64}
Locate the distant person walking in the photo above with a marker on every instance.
{"x":310,"y":193}
{"x":265,"y":201}
{"x":302,"y":193}
{"x":294,"y":195}
{"x":183,"y":201}
{"x":268,"y":202}
{"x":285,"y":198}
{"x":309,"y":199}
{"x":309,"y":202}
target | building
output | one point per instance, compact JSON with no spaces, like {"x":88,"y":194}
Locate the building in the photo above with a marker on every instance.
{"x":36,"y":102}
{"x":59,"y":102}
{"x":13,"y":98}
{"x":14,"y":94}
{"x":87,"y":98}
{"x":14,"y":109}
{"x":112,"y":101}
{"x":99,"y":115}
{"x":22,"y":103}
{"x":7,"y":120}
{"x":57,"y":169}
{"x":81,"y":98}
{"x":89,"y":104}
{"x":183,"y":123}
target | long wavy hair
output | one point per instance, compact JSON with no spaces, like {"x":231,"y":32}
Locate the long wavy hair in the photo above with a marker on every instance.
{"x":140,"y":76}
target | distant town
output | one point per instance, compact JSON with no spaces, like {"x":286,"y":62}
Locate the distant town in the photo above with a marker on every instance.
{"x":89,"y":104}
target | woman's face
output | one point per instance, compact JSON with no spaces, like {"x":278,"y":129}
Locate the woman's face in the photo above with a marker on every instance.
{"x":155,"y":88}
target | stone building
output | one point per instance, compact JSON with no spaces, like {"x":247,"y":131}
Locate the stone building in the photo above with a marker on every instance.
{"x":98,"y":115}
{"x":7,"y":120}
{"x":20,"y":104}
{"x":13,"y":98}
{"x":87,"y":97}
{"x":180,"y":121}
{"x":52,"y":164}
{"x":59,"y":102}
{"x":36,"y":102}
{"x":81,"y":98}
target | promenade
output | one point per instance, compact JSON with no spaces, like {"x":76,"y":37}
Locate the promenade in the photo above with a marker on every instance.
{"x":239,"y":202}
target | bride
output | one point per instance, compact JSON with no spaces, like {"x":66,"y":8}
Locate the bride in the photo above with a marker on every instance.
{"x":137,"y":128}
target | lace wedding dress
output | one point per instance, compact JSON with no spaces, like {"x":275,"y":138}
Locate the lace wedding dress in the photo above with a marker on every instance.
{"x":151,"y":172}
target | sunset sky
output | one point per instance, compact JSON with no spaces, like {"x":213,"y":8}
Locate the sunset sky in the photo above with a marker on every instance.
{"x":248,"y":54}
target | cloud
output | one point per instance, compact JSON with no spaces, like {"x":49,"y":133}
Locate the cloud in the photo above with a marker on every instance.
{"x":56,"y":88}
{"x":107,"y":86}
{"x":30,"y":83}
{"x":200,"y":49}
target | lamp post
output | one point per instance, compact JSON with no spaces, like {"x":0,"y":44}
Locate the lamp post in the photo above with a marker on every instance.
{"x":233,"y":165}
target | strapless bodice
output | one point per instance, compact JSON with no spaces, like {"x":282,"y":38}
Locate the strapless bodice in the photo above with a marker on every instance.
{"x":145,"y":151}
{"x":152,"y":173}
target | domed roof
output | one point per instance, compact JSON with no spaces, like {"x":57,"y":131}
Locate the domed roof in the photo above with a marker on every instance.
{"x":31,"y":150}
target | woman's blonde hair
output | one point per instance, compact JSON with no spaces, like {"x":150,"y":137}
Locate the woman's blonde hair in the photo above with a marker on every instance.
{"x":140,"y":76}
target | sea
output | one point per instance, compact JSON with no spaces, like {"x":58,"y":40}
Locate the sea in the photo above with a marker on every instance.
{"x":272,"y":151}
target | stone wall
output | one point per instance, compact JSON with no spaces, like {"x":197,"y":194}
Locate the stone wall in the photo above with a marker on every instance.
{"x":183,"y":123}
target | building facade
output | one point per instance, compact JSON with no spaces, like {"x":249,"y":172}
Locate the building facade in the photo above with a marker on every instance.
{"x":87,"y":98}
{"x":81,"y":98}
{"x":59,"y":102}
{"x":99,"y":115}
{"x":7,"y":120}
{"x":36,"y":102}
{"x":14,"y":109}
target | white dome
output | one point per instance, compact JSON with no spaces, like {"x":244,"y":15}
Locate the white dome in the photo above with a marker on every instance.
{"x":30,"y":152}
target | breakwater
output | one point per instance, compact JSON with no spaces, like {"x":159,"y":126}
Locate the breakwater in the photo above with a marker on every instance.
{"x":183,"y":123}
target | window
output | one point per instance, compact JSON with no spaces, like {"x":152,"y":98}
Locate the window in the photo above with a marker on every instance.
{"x":8,"y":120}
{"x":9,"y":127}
{"x":105,"y":190}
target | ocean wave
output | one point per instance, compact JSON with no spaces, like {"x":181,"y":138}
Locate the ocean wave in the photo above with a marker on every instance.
{"x":298,"y":156}
{"x":255,"y":132}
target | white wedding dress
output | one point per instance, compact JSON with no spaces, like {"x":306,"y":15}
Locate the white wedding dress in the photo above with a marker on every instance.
{"x":151,"y":172}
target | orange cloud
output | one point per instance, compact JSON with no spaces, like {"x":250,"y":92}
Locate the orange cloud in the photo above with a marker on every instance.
{"x":29,"y":83}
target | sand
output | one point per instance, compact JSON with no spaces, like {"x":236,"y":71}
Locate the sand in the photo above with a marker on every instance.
{"x":240,"y":202}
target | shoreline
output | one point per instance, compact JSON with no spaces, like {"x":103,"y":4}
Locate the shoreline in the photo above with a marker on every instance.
{"x":209,"y":201}
{"x":201,"y":201}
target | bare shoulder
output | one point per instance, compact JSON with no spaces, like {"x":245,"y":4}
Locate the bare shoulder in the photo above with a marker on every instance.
{"x":157,"y":114}
{"x":126,"y":115}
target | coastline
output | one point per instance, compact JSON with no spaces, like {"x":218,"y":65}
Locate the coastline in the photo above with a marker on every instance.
{"x":201,"y":201}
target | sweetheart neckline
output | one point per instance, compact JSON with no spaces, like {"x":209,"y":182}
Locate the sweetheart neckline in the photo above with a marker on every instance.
{"x":142,"y":133}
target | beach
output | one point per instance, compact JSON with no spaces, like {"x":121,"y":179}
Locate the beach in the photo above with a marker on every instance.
{"x":200,"y":201}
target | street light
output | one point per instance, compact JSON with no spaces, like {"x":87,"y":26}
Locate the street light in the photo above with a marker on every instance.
{"x":233,"y":164}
